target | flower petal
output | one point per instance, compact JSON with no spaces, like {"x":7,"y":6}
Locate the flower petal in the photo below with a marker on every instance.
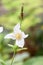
{"x":11,"y":36}
{"x":20,"y":43}
{"x":24,"y":36}
{"x":17,"y":27}
{"x":1,"y":29}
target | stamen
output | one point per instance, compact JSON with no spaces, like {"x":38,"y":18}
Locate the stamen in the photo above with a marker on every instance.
{"x":18,"y":36}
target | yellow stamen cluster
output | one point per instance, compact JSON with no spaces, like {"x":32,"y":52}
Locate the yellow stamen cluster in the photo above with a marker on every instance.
{"x":18,"y":36}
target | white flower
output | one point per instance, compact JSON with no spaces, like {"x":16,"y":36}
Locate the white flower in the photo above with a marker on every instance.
{"x":1,"y":29}
{"x":17,"y":35}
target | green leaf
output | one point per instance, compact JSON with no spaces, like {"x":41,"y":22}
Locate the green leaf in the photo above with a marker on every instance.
{"x":35,"y":61}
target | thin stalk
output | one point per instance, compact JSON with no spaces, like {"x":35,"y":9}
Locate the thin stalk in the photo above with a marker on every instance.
{"x":12,"y":60}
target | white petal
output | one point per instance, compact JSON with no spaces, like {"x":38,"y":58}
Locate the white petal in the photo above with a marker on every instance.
{"x":1,"y":29}
{"x":17,"y":27}
{"x":20,"y":43}
{"x":24,"y":36}
{"x":11,"y":36}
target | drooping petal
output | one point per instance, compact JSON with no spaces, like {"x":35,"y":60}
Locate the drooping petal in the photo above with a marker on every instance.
{"x":20,"y":43}
{"x":1,"y":29}
{"x":11,"y":36}
{"x":24,"y":35}
{"x":17,"y":27}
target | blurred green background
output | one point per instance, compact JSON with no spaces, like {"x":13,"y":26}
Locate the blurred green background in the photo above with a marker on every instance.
{"x":30,"y":14}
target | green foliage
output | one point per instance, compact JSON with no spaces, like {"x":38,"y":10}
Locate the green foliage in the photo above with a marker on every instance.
{"x":2,"y":62}
{"x":14,"y":9}
{"x":4,"y":49}
{"x":34,"y":61}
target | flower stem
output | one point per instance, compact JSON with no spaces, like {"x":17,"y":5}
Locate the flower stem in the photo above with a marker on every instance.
{"x":12,"y":60}
{"x":14,"y":49}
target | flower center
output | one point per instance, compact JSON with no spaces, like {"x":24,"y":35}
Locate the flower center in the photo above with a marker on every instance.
{"x":18,"y":36}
